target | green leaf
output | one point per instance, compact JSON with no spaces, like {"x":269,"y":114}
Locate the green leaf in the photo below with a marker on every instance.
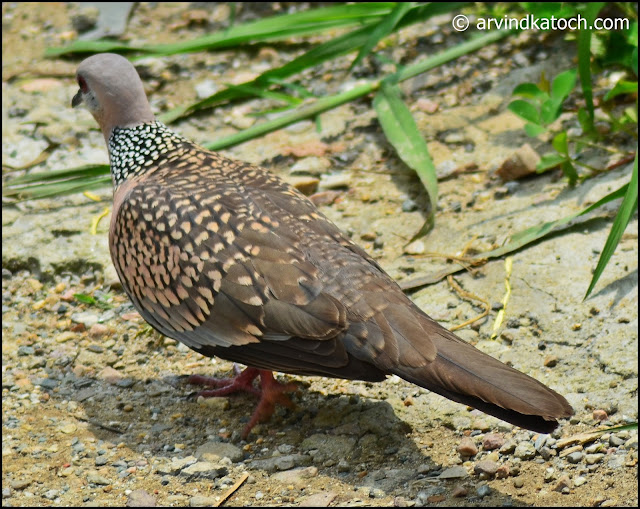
{"x":622,"y":87}
{"x":560,"y":143}
{"x":569,"y":171}
{"x":84,"y":298}
{"x":550,"y":111}
{"x":534,"y":130}
{"x":549,"y":161}
{"x":525,"y":110}
{"x":628,"y":206}
{"x":402,"y":132}
{"x":382,"y":29}
{"x":530,"y":91}
{"x":563,"y":84}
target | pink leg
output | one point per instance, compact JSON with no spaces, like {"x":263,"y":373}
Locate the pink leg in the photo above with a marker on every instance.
{"x":271,"y":391}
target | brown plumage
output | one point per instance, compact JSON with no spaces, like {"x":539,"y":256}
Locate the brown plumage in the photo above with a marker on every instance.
{"x":234,"y":262}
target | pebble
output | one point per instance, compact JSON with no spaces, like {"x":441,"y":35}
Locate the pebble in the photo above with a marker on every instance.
{"x":6,"y":492}
{"x":492,"y":441}
{"x":467,"y":448}
{"x":592,"y":459}
{"x":214,"y":451}
{"x":575,"y":457}
{"x":319,"y":499}
{"x":600,"y":415}
{"x":415,"y":248}
{"x":459,"y":491}
{"x":579,"y":481}
{"x":454,"y":473}
{"x":525,"y":451}
{"x":518,"y":482}
{"x":140,"y":498}
{"x":51,"y":494}
{"x":202,"y":501}
{"x":563,"y":483}
{"x":95,"y":478}
{"x":508,"y":448}
{"x":204,"y":470}
{"x":486,"y":467}
{"x":483,"y":490}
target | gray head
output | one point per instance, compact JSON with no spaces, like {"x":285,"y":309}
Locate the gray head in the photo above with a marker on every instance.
{"x":112,"y":91}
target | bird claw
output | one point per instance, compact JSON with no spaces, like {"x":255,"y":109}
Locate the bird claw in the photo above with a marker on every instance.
{"x":271,"y":391}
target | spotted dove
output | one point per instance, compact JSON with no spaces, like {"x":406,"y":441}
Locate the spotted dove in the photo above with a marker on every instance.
{"x":233,"y":262}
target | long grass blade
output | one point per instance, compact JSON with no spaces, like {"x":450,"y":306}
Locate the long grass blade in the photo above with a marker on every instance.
{"x":402,"y":132}
{"x":310,"y":110}
{"x":628,"y":206}
{"x":384,"y":28}
{"x":535,"y":233}
{"x":268,"y":29}
{"x":326,"y":51}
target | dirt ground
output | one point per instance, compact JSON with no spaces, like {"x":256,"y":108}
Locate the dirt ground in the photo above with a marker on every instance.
{"x":96,"y":408}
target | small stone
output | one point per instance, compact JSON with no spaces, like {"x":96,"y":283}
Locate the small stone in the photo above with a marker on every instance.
{"x":202,"y":501}
{"x":215,"y":451}
{"x":20,"y":484}
{"x":204,"y":470}
{"x":600,"y":415}
{"x":101,"y":461}
{"x":459,"y":491}
{"x":563,"y":483}
{"x":417,"y":247}
{"x":551,"y":361}
{"x":508,"y":448}
{"x":518,"y":482}
{"x":521,"y":164}
{"x":140,"y":498}
{"x":575,"y":457}
{"x":95,"y":478}
{"x":455,"y":472}
{"x":483,"y":490}
{"x":579,"y":481}
{"x":525,"y":451}
{"x":592,"y":459}
{"x":492,"y":441}
{"x":318,"y":499}
{"x":50,"y":494}
{"x":487,"y":467}
{"x":467,"y":448}
{"x":98,"y":330}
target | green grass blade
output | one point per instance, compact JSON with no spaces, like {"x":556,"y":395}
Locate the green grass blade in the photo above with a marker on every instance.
{"x":86,"y":171}
{"x":534,"y":233}
{"x":402,"y":132}
{"x":302,"y":113}
{"x":56,"y":189}
{"x":326,"y":103}
{"x":628,"y":206}
{"x":326,"y":51}
{"x":268,"y":29}
{"x":584,"y":56}
{"x":384,"y":28}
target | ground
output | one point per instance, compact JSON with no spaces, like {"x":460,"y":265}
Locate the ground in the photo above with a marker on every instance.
{"x":96,"y":408}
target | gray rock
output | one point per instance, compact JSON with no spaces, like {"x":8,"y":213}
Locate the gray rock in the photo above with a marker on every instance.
{"x":331,"y":447}
{"x":214,"y":451}
{"x":456,"y":472}
{"x":525,"y":451}
{"x":575,"y":457}
{"x":140,"y":498}
{"x":204,"y":470}
{"x":202,"y":501}
{"x":279,"y":463}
